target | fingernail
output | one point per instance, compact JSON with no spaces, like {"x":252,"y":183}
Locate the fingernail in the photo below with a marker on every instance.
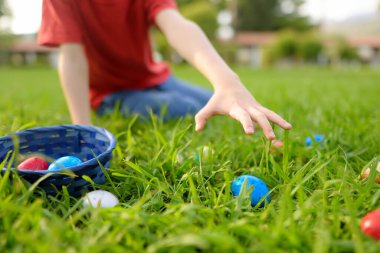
{"x":272,"y":135}
{"x":249,"y":130}
{"x":277,"y":143}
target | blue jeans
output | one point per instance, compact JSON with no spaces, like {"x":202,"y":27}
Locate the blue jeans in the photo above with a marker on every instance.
{"x":174,"y":97}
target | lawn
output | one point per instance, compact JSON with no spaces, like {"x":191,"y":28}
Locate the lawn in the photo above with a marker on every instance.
{"x":172,"y":203}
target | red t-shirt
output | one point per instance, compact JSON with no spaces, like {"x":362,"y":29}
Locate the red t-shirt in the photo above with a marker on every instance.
{"x":115,"y":35}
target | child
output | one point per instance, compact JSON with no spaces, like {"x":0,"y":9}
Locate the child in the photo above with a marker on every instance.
{"x":106,"y":59}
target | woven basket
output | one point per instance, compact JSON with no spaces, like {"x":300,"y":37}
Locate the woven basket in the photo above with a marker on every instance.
{"x":91,"y":144}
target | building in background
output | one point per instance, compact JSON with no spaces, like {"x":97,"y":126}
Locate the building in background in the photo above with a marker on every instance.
{"x":251,"y":46}
{"x":368,"y":48}
{"x":25,"y":51}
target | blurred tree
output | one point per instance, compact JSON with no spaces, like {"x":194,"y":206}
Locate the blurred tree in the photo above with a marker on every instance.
{"x":310,"y":47}
{"x":203,"y":13}
{"x":5,"y":13}
{"x":1,"y":8}
{"x":290,"y":16}
{"x":217,"y":3}
{"x":6,"y":38}
{"x":270,"y":15}
{"x":4,"y":9}
{"x":295,"y":47}
{"x":257,"y":15}
{"x":286,"y":45}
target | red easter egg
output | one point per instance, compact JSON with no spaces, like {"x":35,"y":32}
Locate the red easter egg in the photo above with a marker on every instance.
{"x":33,"y":163}
{"x":370,"y":224}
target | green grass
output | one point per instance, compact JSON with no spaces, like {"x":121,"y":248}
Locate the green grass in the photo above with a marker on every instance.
{"x":171,"y":203}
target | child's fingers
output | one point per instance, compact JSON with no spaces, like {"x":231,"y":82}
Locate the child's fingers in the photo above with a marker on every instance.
{"x":274,"y":117}
{"x":277,"y":143}
{"x":201,"y":117}
{"x":244,"y":118}
{"x":262,"y":120}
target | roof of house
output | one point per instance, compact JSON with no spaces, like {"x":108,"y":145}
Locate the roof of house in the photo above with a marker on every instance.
{"x":265,"y":38}
{"x":371,"y":41}
{"x":254,"y":38}
{"x":29,"y":46}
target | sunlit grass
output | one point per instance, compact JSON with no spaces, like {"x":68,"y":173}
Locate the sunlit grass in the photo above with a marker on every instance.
{"x":172,"y":203}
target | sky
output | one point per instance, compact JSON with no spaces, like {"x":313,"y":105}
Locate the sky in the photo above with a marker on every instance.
{"x":339,"y":10}
{"x":27,"y":13}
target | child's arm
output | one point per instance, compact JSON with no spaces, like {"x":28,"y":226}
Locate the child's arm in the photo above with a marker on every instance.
{"x":73,"y":73}
{"x":230,"y":97}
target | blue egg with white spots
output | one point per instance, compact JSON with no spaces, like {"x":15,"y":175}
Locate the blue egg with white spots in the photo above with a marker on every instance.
{"x":260,"y":189}
{"x":64,"y":162}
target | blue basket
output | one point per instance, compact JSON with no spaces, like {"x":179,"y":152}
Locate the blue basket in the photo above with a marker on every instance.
{"x":91,"y":144}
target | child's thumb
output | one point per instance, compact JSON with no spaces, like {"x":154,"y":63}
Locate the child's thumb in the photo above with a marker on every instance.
{"x":201,"y":118}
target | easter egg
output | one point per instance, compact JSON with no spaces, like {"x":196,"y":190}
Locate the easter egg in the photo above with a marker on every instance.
{"x":259,"y":191}
{"x":308,"y":141}
{"x":100,"y":198}
{"x":33,"y":163}
{"x":318,"y":138}
{"x":370,"y":224}
{"x":64,"y":163}
{"x":203,"y":153}
{"x":365,"y":173}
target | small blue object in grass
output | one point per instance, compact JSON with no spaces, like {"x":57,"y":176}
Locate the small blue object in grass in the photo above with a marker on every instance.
{"x":308,"y":141}
{"x":64,"y":162}
{"x":260,"y":189}
{"x":318,"y":138}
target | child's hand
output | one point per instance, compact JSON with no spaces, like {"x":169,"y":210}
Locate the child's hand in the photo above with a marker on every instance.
{"x":238,"y":103}
{"x":230,"y":95}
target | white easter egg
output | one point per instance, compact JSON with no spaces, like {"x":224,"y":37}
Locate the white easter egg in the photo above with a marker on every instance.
{"x":100,"y":198}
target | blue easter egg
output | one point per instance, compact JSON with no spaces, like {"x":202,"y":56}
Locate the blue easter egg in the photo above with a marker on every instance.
{"x":64,"y":163}
{"x":308,"y":141}
{"x":319,"y":138}
{"x":260,"y":189}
